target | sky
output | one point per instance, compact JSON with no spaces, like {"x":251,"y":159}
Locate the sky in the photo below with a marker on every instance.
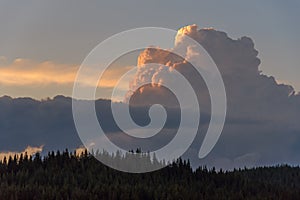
{"x":254,"y":44}
{"x":53,"y":37}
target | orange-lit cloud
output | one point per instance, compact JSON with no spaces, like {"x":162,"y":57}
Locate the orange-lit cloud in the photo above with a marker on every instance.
{"x":80,"y":150}
{"x":29,"y":150}
{"x":28,"y":72}
{"x":111,"y":76}
{"x":24,"y":72}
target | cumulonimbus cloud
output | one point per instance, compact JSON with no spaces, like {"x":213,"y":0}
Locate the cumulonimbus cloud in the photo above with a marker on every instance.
{"x":238,"y":63}
{"x":259,"y":108}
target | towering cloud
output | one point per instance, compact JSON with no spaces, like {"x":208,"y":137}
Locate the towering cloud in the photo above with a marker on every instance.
{"x":260,"y":110}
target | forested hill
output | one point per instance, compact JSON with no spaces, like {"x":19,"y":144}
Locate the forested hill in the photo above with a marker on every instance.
{"x":63,"y":175}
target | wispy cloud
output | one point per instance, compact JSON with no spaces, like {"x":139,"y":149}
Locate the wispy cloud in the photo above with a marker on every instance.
{"x":27,"y":73}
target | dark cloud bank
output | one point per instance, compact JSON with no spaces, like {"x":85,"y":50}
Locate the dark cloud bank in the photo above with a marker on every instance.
{"x":262,"y":121}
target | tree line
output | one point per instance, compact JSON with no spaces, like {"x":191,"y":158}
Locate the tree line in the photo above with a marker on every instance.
{"x":65,"y":175}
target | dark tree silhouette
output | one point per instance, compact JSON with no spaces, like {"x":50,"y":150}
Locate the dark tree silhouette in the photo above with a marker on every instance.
{"x":64,"y":175}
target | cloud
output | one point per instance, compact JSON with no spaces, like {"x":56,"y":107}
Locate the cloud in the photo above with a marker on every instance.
{"x":191,"y":30}
{"x":25,"y":77}
{"x":249,"y":91}
{"x":29,"y":150}
{"x":262,"y":120}
{"x":260,"y":109}
{"x":25,"y":121}
{"x":28,"y":72}
{"x":80,"y":150}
